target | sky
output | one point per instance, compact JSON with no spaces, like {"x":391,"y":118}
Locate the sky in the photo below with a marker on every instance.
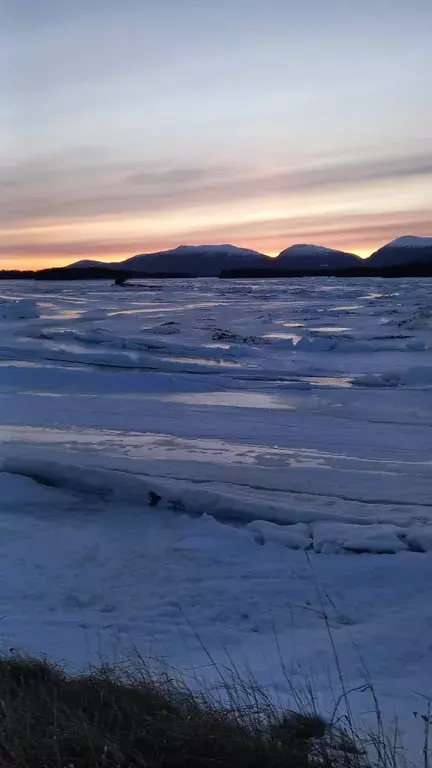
{"x":134,"y":126}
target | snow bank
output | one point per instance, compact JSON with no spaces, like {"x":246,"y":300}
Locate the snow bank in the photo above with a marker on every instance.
{"x":416,"y":345}
{"x":318,"y":344}
{"x":377,"y":538}
{"x":267,"y":521}
{"x":24,"y":309}
{"x":420,"y":538}
{"x":334,"y":538}
{"x":21,"y":490}
{"x":292,"y":536}
{"x":378,"y":380}
{"x":146,"y":491}
{"x":418,"y":376}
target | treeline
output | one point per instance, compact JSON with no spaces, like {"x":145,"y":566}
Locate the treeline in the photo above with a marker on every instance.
{"x":100,"y":273}
{"x":416,"y":269}
{"x":17,"y":274}
{"x":85,"y":273}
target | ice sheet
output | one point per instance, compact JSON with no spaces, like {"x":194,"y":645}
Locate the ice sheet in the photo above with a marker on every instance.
{"x":222,"y":456}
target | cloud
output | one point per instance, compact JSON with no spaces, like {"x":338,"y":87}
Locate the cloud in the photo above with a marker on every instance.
{"x":357,"y":233}
{"x":171,"y":176}
{"x":350,"y":232}
{"x":82,"y":203}
{"x":84,"y":185}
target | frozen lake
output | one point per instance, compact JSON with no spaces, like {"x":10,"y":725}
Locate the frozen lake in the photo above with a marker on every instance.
{"x":201,"y":461}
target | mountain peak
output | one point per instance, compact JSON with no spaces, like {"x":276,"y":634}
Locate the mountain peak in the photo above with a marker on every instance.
{"x":86,"y":264}
{"x":307,"y":256}
{"x":219,"y":248}
{"x":410,"y":241}
{"x":409,"y":249}
{"x":197,"y":260}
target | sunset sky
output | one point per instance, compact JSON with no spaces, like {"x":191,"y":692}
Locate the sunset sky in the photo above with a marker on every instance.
{"x":129,"y":126}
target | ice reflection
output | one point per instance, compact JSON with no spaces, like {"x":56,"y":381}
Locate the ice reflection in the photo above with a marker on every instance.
{"x":243,"y":399}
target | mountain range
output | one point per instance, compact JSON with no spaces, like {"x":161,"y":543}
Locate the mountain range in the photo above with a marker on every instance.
{"x":211,"y":260}
{"x":197,"y":260}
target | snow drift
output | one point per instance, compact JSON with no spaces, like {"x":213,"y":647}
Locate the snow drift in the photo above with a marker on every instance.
{"x":269,"y":522}
{"x":23,"y":309}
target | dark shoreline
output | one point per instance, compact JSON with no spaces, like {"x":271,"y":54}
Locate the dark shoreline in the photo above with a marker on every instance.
{"x":419,"y":269}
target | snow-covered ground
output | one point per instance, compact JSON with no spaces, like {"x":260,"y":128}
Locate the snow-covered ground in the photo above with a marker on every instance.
{"x":217,"y":464}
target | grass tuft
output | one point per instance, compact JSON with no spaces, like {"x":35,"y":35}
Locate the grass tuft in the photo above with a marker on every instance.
{"x":121,"y":718}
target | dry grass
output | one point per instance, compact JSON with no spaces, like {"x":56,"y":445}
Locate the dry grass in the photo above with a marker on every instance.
{"x":110,"y":717}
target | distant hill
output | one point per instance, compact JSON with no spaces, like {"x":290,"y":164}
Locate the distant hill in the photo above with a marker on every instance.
{"x":407,"y":250}
{"x":197,"y":260}
{"x":403,"y":256}
{"x":315,"y":257}
{"x":88,"y":264}
{"x":408,"y":256}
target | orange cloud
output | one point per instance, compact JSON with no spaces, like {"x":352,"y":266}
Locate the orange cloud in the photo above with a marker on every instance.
{"x":358,"y":233}
{"x":57,"y":212}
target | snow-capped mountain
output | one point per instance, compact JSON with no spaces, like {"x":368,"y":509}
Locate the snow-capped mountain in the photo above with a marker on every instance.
{"x":212,"y":260}
{"x":199,"y":260}
{"x":408,"y":249}
{"x":306,"y":256}
{"x":86,"y":264}
{"x":196,"y":260}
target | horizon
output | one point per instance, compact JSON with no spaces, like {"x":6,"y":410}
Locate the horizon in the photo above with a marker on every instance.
{"x":203,"y":245}
{"x":130,"y":130}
